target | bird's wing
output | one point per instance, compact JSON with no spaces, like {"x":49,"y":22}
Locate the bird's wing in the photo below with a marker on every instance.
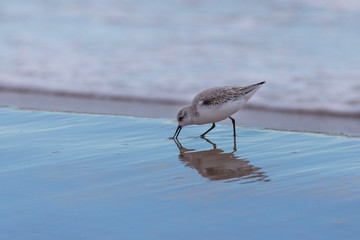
{"x":218,"y":96}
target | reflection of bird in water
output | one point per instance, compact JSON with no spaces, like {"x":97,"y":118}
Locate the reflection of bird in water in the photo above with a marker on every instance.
{"x":215,"y":164}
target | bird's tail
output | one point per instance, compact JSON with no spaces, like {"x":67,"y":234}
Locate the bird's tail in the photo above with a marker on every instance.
{"x":249,"y":91}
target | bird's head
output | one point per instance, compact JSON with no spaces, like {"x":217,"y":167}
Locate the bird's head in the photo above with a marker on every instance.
{"x":184,"y":116}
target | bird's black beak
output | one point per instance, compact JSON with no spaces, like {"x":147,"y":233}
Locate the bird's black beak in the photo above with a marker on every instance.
{"x":177,"y":132}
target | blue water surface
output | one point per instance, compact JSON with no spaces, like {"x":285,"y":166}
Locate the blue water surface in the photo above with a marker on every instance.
{"x":73,"y":176}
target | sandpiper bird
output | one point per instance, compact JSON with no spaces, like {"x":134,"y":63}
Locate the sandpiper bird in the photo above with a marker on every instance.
{"x":214,"y":105}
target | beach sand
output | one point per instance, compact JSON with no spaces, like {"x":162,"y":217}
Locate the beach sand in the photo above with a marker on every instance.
{"x":91,"y":176}
{"x":250,"y":116}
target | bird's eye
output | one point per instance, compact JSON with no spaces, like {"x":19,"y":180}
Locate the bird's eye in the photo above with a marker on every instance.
{"x":180,"y":118}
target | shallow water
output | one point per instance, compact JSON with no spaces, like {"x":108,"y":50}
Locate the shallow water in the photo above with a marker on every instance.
{"x":71,"y":176}
{"x":170,"y":50}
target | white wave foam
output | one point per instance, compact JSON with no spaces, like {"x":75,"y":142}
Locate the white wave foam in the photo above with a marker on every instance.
{"x":171,"y":51}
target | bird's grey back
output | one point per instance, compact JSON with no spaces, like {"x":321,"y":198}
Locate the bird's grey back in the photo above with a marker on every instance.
{"x":218,"y":95}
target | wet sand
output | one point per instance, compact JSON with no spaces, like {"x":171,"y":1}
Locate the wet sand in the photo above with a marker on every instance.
{"x":71,"y":176}
{"x":310,"y":122}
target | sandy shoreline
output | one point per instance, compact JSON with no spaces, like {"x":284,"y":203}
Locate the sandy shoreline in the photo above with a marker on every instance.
{"x":248,"y":117}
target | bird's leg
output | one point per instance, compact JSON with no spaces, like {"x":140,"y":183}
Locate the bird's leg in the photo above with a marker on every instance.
{"x":212,"y":127}
{"x":233,"y":122}
{"x":235,"y":148}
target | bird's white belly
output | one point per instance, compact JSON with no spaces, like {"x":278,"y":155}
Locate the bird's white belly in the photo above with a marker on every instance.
{"x":212,"y":114}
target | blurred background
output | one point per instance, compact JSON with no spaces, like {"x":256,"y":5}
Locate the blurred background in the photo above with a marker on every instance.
{"x":167,"y":51}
